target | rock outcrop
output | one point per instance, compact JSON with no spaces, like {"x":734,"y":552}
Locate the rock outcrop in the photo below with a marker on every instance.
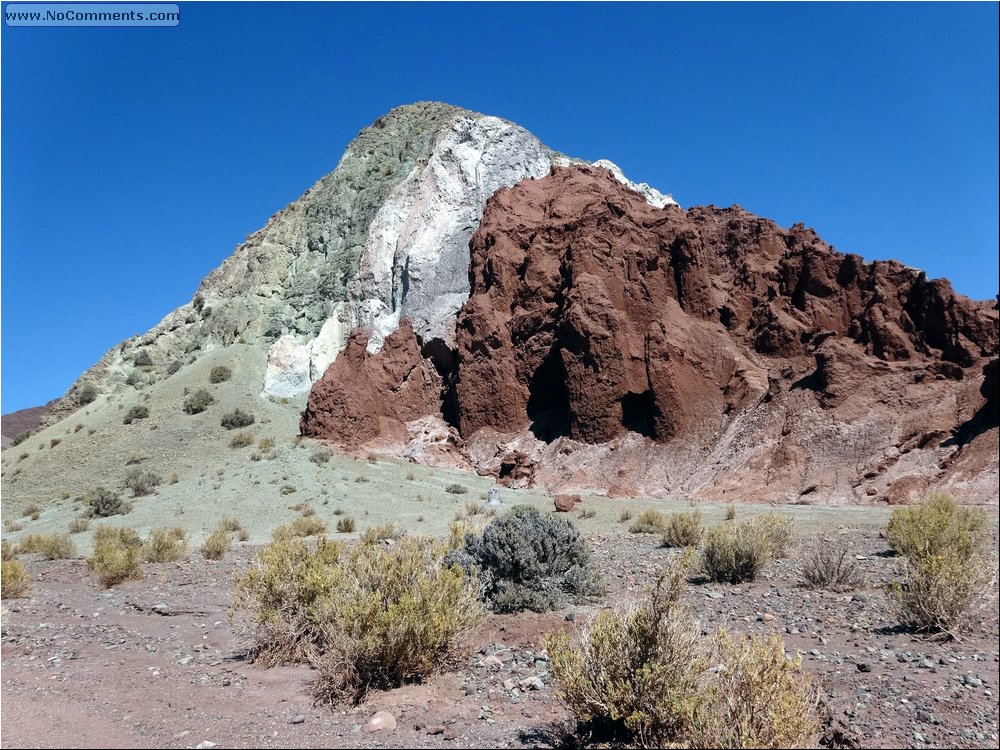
{"x":613,"y":342}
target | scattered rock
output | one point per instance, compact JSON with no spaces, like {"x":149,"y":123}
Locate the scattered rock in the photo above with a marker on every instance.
{"x":383,"y":721}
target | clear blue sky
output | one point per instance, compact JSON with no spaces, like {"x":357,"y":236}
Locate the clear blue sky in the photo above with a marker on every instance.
{"x":134,"y":160}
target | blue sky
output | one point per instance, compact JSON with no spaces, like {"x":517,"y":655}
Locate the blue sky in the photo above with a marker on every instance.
{"x":134,"y":160}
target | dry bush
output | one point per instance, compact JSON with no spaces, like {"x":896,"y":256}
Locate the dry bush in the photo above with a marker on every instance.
{"x":165,"y":545}
{"x":345,"y":525}
{"x":230,"y":524}
{"x":625,"y":516}
{"x":216,"y":544}
{"x":142,"y":482}
{"x":198,"y":401}
{"x":136,"y":458}
{"x":79,"y":525}
{"x":371,"y":617}
{"x":32,"y":510}
{"x":115,"y":563}
{"x":308,"y":526}
{"x":10,"y":526}
{"x":6,"y":550}
{"x":13,"y":579}
{"x":241,"y":440}
{"x":650,"y":521}
{"x":648,"y":676}
{"x":682,"y":530}
{"x":49,"y":546}
{"x":103,"y":502}
{"x":266,"y":443}
{"x":236,"y":418}
{"x":730,"y":512}
{"x":456,"y":489}
{"x":586,"y":513}
{"x":937,"y":526}
{"x":286,"y":489}
{"x":527,"y":560}
{"x":829,"y":564}
{"x":219,"y":374}
{"x":375,"y":534}
{"x":738,"y":552}
{"x":320,"y":457}
{"x":305,"y":509}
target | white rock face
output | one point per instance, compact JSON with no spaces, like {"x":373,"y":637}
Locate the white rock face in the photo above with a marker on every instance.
{"x":287,"y":373}
{"x":653,"y":196}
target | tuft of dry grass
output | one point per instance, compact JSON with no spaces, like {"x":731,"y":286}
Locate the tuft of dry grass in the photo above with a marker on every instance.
{"x":346,"y":525}
{"x":829,"y":564}
{"x":79,"y":525}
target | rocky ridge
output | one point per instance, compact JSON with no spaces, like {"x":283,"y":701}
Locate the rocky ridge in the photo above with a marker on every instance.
{"x":610,"y":343}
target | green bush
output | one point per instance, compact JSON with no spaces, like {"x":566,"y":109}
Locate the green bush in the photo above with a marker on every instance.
{"x":103,"y":502}
{"x":648,"y":677}
{"x":219,"y":374}
{"x":116,"y":536}
{"x":142,"y":482}
{"x":86,"y":394}
{"x":134,"y":413}
{"x":21,"y":437}
{"x":682,"y":530}
{"x":530,"y":561}
{"x":937,"y":526}
{"x":370,"y":618}
{"x":738,"y":552}
{"x":649,"y":522}
{"x":198,"y":401}
{"x":237,"y":418}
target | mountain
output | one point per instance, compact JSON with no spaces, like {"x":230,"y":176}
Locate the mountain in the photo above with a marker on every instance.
{"x":456,"y":293}
{"x":610,"y":344}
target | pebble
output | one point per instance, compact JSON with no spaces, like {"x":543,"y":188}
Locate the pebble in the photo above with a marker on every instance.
{"x":299,"y":719}
{"x":204,"y":745}
{"x":383,"y":721}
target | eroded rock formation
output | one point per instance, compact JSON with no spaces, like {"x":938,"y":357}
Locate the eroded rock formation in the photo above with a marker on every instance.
{"x":609,"y":342}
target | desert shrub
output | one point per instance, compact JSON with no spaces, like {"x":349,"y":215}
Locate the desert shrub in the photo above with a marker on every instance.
{"x":198,"y":401}
{"x":216,"y":544}
{"x":86,"y":394}
{"x":371,"y":617}
{"x":10,"y":525}
{"x":320,"y":457}
{"x":586,"y":513}
{"x":219,"y":374}
{"x":937,"y":526}
{"x":33,"y":510}
{"x":103,"y":502}
{"x":141,"y":482}
{"x":306,"y":509}
{"x":237,"y":418}
{"x":830,"y":565}
{"x":79,"y":525}
{"x":375,"y":534}
{"x":49,"y":546}
{"x":527,"y":560}
{"x":266,"y":443}
{"x":287,"y":489}
{"x":730,"y":512}
{"x":230,"y":524}
{"x":647,"y":675}
{"x":682,"y":530}
{"x":241,"y":440}
{"x":134,"y":413}
{"x":115,"y":562}
{"x":142,"y":358}
{"x":625,"y":516}
{"x":345,"y":525}
{"x":116,"y":536}
{"x":308,"y":526}
{"x":174,"y":367}
{"x":650,"y":521}
{"x":6,"y":550}
{"x":943,"y":594}
{"x":13,"y":579}
{"x":456,"y":489}
{"x":738,"y":552}
{"x":165,"y":545}
{"x":948,"y":576}
{"x":136,"y":458}
{"x":21,"y":437}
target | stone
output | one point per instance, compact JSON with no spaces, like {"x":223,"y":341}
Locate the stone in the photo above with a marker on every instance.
{"x":566,"y":503}
{"x":298,"y":719}
{"x":382,"y":721}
